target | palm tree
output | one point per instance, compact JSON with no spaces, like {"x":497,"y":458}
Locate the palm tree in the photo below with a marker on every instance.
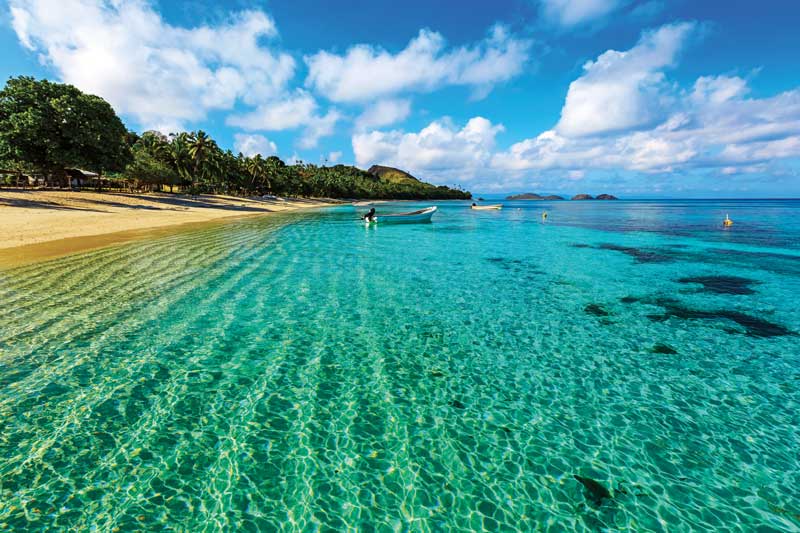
{"x":180,"y":156}
{"x":257,"y":168}
{"x":201,"y":150}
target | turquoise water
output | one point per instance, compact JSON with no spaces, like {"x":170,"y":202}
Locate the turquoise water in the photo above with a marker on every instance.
{"x":305,"y":373}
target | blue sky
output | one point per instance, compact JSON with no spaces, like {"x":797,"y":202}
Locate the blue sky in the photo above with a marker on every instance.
{"x":652,"y":98}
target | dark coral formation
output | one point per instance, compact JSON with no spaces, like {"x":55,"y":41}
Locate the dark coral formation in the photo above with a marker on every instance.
{"x":754,"y":326}
{"x":639,"y":254}
{"x":722,"y":284}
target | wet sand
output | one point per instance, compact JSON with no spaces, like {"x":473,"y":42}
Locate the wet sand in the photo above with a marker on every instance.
{"x":39,"y":224}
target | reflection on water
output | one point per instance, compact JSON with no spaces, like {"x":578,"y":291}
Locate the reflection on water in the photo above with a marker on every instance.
{"x":487,"y":371}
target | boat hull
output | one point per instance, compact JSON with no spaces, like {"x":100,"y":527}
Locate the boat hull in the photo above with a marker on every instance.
{"x":486,"y":207}
{"x":416,"y":217}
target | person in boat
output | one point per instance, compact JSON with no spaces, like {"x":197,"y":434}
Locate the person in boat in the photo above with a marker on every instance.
{"x":474,"y":204}
{"x":369,"y":217}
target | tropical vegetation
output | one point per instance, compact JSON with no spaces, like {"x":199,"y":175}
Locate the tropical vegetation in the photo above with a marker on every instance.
{"x":48,"y":128}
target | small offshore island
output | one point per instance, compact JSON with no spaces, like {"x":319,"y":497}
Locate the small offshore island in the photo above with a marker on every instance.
{"x":554,"y":197}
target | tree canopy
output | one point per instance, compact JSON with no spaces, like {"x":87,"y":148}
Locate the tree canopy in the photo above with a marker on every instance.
{"x":48,"y":127}
{"x":52,"y":126}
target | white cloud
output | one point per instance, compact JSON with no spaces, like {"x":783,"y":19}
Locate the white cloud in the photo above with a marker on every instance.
{"x":319,"y":127}
{"x":624,"y":90}
{"x":383,"y":113}
{"x":150,"y":70}
{"x":251,"y":145}
{"x":293,"y":111}
{"x":334,"y":157}
{"x":286,"y":113}
{"x":365,"y":72}
{"x":439,"y":146}
{"x":714,"y":127}
{"x":568,"y":13}
{"x":576,"y":174}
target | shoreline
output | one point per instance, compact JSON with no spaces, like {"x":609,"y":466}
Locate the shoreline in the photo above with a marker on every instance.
{"x":45,"y":224}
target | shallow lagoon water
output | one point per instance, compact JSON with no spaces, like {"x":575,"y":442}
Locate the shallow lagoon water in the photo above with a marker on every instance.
{"x":302,"y":372}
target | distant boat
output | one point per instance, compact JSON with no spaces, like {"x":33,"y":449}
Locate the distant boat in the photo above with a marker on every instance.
{"x":727,"y":222}
{"x":487,"y":207}
{"x":414,"y":217}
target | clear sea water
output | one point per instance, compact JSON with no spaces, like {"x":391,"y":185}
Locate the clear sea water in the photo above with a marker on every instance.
{"x":303,"y":372}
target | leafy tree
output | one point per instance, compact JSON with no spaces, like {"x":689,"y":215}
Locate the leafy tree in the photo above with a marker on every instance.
{"x":49,"y":127}
{"x":146,"y":168}
{"x":52,"y":126}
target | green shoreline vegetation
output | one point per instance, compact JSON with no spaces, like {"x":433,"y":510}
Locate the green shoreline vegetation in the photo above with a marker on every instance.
{"x":48,"y":130}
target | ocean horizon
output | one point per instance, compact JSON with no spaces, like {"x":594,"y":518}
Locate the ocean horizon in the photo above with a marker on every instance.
{"x":618,"y":365}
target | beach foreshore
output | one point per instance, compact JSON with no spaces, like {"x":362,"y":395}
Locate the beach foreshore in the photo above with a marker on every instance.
{"x":39,"y":224}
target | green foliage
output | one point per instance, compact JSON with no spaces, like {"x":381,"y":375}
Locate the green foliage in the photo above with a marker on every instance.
{"x":47,"y":127}
{"x":150,"y":169}
{"x":51,"y":126}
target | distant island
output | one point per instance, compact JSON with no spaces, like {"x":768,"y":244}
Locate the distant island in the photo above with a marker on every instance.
{"x":598,"y":197}
{"x":534,"y":196}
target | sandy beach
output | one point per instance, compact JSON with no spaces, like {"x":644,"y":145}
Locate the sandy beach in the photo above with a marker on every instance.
{"x":40,"y":224}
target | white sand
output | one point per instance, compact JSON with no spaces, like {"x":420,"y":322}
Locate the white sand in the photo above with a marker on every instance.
{"x":35,"y":217}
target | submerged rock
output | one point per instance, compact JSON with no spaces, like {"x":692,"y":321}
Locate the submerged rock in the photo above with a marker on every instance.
{"x":457,"y":404}
{"x":629,"y":299}
{"x":596,"y":310}
{"x":595,"y":491}
{"x":722,"y":284}
{"x":663,"y":349}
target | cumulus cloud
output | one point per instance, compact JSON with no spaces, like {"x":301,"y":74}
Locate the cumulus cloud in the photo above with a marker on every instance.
{"x":383,"y":113}
{"x":293,"y":111}
{"x":157,"y":73}
{"x":318,"y":127}
{"x":439,"y":146}
{"x":366,"y":72}
{"x":251,"y":145}
{"x":334,"y":157}
{"x":569,"y":13}
{"x":624,"y":90}
{"x":285,"y":113}
{"x":714,"y":126}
